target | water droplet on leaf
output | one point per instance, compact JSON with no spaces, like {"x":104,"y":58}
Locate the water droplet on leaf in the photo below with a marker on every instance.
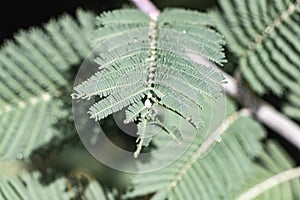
{"x":19,"y":156}
{"x":268,"y":29}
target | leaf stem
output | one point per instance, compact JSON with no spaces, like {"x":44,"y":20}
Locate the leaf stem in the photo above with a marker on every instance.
{"x":270,"y":183}
{"x":208,"y":144}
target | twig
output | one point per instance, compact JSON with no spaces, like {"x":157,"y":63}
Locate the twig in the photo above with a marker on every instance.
{"x":264,"y":112}
{"x":147,"y":7}
{"x":269,"y":183}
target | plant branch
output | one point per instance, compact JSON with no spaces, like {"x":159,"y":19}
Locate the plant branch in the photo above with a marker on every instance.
{"x":264,"y":112}
{"x":269,"y":183}
{"x":147,"y":7}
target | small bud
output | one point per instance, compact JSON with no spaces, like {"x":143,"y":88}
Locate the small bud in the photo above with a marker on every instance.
{"x":148,"y":103}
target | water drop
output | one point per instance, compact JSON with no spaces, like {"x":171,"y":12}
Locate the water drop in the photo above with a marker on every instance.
{"x":135,"y":40}
{"x":184,"y":31}
{"x":19,"y":156}
{"x":268,"y":29}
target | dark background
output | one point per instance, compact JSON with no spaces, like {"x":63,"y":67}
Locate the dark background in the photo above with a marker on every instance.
{"x":15,"y":15}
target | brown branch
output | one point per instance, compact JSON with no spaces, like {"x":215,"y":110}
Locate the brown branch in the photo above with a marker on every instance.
{"x":264,"y":112}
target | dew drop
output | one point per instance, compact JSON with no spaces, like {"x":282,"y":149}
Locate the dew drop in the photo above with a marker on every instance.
{"x":19,"y":156}
{"x":268,"y":29}
{"x":135,"y":40}
{"x":184,"y":31}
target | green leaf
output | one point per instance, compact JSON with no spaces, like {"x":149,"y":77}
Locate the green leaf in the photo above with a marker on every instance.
{"x":33,"y":76}
{"x":96,"y":191}
{"x":265,"y":38}
{"x":237,"y":164}
{"x":145,"y":62}
{"x":27,"y":186}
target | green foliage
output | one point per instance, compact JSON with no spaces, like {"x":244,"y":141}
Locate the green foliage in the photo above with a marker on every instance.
{"x":270,"y":163}
{"x":33,"y":76}
{"x":96,"y":191}
{"x":24,"y":129}
{"x":264,"y":35}
{"x":292,"y":109}
{"x":235,"y":165}
{"x":147,"y":61}
{"x":28,"y":186}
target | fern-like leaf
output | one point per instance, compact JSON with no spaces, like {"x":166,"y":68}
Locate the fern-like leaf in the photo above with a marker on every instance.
{"x":28,"y":186}
{"x":96,"y":191}
{"x":238,"y":163}
{"x":138,"y":57}
{"x":116,"y":102}
{"x":263,"y":40}
{"x":292,"y":108}
{"x":32,"y":78}
{"x":264,"y":35}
